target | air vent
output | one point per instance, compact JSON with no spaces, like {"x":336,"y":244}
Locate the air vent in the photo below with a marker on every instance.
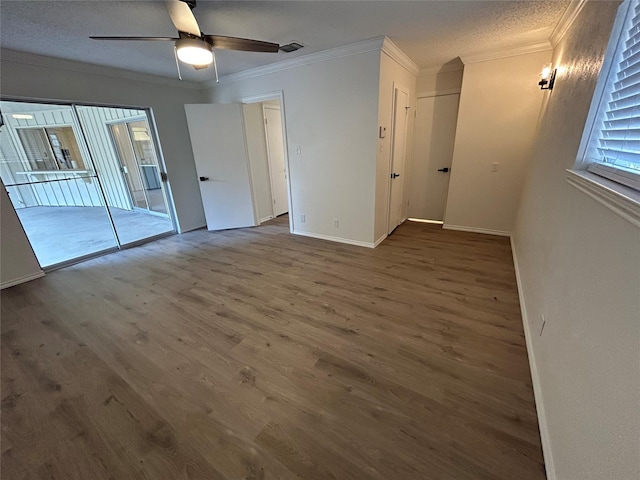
{"x":291,"y":47}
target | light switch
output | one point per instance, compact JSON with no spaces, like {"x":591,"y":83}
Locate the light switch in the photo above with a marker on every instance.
{"x":494,"y":166}
{"x":299,"y":150}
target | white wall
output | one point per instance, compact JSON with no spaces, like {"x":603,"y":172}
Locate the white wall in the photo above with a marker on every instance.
{"x":579,"y":266}
{"x":430,"y":84}
{"x":34,"y":76}
{"x":331,"y":114}
{"x":258,"y":162}
{"x":391,"y":73}
{"x":17,"y":261}
{"x":499,"y":105}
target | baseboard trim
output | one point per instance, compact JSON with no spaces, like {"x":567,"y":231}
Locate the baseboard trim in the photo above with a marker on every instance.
{"x":380,"y":240}
{"x":348,"y":241}
{"x":268,"y":217}
{"x":485,"y":231}
{"x":192,"y":228}
{"x":535,"y":378}
{"x":18,"y":281}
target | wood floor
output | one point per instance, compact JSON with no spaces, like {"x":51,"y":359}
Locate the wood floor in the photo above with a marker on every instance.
{"x":255,"y":354}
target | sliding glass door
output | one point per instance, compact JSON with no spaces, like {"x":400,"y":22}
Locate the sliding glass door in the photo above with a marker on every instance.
{"x":75,"y":192}
{"x":123,"y":148}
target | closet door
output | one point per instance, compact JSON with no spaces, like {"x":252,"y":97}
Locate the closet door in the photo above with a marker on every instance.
{"x":220,"y":153}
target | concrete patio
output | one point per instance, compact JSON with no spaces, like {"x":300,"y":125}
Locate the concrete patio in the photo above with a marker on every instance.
{"x":59,"y":234}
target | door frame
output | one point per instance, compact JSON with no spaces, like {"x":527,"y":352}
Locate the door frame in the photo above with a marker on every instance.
{"x":401,"y":88}
{"x":278,"y":95}
{"x":266,"y":107}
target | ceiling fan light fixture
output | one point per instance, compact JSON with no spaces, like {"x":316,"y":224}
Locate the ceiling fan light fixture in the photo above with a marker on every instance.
{"x":194,"y":51}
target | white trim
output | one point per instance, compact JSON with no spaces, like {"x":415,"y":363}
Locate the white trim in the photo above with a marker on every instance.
{"x":392,"y":50}
{"x":441,"y":69}
{"x":624,"y":176}
{"x":567,"y":19}
{"x":372,"y":45}
{"x":425,"y":220}
{"x":17,"y":281}
{"x":192,"y":228}
{"x":268,"y":217}
{"x":485,"y":231}
{"x":439,"y":93}
{"x":545,"y":438}
{"x":507,"y":52}
{"x":380,"y":240}
{"x":622,"y":200}
{"x":348,"y":241}
{"x":26,"y":58}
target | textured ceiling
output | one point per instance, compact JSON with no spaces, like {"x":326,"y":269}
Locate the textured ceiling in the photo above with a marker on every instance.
{"x":431,"y":33}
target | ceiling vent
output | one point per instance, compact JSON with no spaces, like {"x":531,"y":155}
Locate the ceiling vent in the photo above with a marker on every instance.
{"x":291,"y":47}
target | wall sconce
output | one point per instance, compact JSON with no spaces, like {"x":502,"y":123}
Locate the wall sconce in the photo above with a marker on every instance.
{"x":547,"y":77}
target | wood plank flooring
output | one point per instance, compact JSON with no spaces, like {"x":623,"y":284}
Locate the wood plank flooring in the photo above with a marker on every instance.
{"x":255,"y":354}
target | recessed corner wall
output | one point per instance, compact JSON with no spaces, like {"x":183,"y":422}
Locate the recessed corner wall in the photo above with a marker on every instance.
{"x":499,"y":106}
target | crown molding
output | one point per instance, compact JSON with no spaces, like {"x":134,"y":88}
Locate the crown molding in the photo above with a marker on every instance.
{"x":399,"y":56}
{"x":25,"y":58}
{"x":371,"y":45}
{"x":441,"y":69}
{"x":568,"y":17}
{"x":507,"y":52}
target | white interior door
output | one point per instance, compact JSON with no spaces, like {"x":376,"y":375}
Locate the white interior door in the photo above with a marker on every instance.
{"x":220,"y":153}
{"x":275,"y":154}
{"x":435,"y":133}
{"x":400,"y":117}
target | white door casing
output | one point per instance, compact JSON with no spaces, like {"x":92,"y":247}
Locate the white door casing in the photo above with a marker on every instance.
{"x":398,"y":153}
{"x":275,"y":155}
{"x":220,"y":154}
{"x":434,"y":137}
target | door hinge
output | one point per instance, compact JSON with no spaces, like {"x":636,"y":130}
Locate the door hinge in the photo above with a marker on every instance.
{"x":163,"y":176}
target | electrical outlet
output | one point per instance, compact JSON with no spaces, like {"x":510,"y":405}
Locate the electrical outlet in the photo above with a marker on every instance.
{"x":303,"y":218}
{"x":336,"y":223}
{"x":543,"y":322}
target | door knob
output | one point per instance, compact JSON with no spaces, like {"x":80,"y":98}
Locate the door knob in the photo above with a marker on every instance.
{"x":395,"y":175}
{"x":445,"y":169}
{"x":204,"y":179}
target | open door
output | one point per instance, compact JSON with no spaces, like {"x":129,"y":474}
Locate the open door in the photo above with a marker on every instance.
{"x":220,"y":153}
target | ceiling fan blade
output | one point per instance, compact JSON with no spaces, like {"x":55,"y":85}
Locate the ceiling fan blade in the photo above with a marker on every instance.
{"x":182,"y":17}
{"x":244,"y":44}
{"x":159,"y":39}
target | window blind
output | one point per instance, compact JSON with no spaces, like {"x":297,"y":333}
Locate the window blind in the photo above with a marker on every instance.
{"x":619,"y":136}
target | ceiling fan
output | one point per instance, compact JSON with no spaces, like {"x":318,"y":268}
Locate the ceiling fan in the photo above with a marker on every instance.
{"x":194,"y":47}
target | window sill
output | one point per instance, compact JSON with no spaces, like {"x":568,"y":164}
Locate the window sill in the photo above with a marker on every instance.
{"x":622,"y":200}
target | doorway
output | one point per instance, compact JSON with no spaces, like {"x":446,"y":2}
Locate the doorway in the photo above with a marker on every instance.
{"x":63,"y":176}
{"x":398,"y":153}
{"x":231,"y":154}
{"x":435,"y":132}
